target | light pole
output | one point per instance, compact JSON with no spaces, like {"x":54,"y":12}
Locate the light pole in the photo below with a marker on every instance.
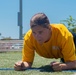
{"x":0,"y":34}
{"x":20,"y":21}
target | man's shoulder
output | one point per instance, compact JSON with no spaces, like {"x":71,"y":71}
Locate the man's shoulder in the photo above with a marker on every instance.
{"x":57,"y":25}
{"x":28,"y":34}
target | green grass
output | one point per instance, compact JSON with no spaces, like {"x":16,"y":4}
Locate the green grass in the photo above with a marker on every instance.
{"x":8,"y":59}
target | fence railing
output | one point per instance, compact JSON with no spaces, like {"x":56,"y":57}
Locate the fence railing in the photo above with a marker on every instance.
{"x":11,"y":45}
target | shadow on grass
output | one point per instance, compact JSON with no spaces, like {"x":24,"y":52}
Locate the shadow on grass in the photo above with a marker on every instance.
{"x":45,"y":68}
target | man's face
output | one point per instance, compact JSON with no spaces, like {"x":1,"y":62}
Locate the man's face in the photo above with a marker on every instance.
{"x":41,"y":34}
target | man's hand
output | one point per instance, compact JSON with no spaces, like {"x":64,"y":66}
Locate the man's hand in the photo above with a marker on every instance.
{"x":57,"y":66}
{"x":63,"y":66}
{"x":19,"y":66}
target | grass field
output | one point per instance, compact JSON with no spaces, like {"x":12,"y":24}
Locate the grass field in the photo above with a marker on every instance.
{"x":8,"y":59}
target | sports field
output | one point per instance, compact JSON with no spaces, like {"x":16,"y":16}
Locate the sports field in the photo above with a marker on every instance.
{"x":7,"y":60}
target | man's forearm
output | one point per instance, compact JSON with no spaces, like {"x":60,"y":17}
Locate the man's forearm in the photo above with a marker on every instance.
{"x":27,"y":64}
{"x":69,"y":65}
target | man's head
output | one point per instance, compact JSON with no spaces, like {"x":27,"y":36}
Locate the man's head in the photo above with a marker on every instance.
{"x":40,"y":26}
{"x":39,"y":19}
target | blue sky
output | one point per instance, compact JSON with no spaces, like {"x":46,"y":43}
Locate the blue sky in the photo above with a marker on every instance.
{"x":56,"y":10}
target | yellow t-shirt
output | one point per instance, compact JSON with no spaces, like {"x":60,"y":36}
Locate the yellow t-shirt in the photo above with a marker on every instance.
{"x":60,"y":45}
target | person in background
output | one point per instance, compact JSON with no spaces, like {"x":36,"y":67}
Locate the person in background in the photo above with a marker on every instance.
{"x":49,"y":41}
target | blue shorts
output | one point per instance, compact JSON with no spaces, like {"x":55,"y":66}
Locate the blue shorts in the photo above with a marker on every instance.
{"x":74,"y":37}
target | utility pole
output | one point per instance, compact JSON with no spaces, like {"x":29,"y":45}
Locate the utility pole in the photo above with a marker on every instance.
{"x":20,"y":20}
